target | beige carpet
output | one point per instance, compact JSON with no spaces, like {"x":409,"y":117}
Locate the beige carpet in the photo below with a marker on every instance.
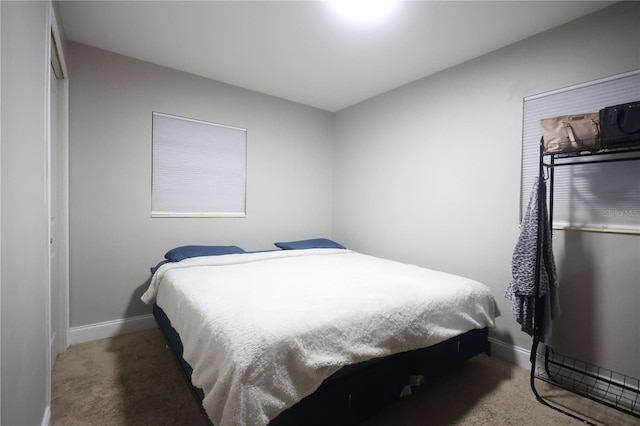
{"x":135,"y":380}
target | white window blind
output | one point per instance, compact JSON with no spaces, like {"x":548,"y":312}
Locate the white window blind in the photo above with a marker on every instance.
{"x":603,"y":197}
{"x":199,"y":168}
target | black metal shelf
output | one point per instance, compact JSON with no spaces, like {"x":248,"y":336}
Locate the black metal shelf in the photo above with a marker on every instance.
{"x":602,"y":150}
{"x":593,"y":156}
{"x":606,"y":387}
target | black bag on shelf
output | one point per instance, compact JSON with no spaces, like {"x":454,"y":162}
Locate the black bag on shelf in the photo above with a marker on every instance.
{"x":620,"y":124}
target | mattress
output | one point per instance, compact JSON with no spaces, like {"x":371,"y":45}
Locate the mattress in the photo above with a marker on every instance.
{"x":263,"y":330}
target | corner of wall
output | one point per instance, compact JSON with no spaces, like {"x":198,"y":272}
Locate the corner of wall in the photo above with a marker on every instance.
{"x":510,"y":353}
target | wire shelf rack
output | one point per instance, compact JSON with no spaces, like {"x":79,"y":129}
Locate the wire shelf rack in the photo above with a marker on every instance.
{"x":599,"y":384}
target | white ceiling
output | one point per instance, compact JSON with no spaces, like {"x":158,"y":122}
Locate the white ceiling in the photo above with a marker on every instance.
{"x":304,"y":51}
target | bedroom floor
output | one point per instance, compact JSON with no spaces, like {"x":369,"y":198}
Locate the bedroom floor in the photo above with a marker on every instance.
{"x":134,"y":379}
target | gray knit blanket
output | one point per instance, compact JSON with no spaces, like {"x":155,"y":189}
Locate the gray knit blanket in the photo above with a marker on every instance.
{"x":521,"y":291}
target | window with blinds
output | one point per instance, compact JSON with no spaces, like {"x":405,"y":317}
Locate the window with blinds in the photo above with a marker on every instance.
{"x":598,"y":197}
{"x":198,"y":168}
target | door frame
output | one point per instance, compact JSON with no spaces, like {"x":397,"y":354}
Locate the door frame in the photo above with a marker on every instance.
{"x":55,"y":52}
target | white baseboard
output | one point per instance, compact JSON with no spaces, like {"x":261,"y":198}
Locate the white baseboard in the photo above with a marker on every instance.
{"x":510,"y":353}
{"x":46,"y":418}
{"x":87,"y":333}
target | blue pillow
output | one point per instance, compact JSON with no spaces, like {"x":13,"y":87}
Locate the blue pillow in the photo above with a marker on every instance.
{"x":155,"y":268}
{"x":309,"y":244}
{"x":180,"y":253}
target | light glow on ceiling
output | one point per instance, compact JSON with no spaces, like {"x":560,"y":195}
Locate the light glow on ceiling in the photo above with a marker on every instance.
{"x":364,"y":10}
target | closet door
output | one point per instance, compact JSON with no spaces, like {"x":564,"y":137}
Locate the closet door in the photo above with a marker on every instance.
{"x":57,"y":176}
{"x":54,"y":184}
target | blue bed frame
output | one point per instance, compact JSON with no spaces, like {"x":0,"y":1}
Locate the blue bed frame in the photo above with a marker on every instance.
{"x":356,"y":391}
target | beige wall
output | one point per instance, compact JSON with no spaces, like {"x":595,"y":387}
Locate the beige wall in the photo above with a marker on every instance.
{"x":429,"y":173}
{"x":113,"y":239}
{"x":24,"y":215}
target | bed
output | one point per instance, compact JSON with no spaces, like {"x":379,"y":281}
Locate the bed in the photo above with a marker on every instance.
{"x":320,"y":335}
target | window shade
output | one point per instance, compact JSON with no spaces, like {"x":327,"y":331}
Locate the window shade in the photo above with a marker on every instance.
{"x":603,"y":196}
{"x":199,"y":168}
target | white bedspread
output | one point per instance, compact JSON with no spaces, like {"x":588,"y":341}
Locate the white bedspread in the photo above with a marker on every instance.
{"x":263,"y":330}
